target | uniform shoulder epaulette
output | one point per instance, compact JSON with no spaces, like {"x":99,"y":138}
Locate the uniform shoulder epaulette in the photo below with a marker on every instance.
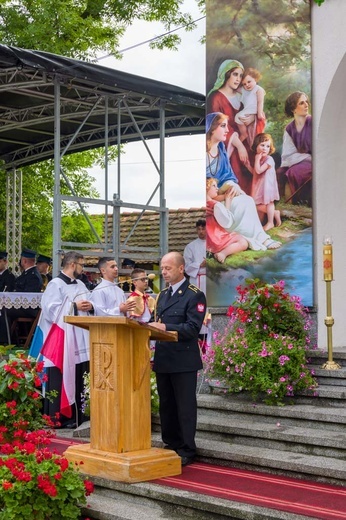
{"x":194,"y":288}
{"x":162,"y":292}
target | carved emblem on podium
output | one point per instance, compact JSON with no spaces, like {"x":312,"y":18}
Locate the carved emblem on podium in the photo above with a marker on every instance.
{"x":104,"y":372}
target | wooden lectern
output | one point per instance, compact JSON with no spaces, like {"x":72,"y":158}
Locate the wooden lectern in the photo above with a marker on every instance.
{"x":120,"y":402}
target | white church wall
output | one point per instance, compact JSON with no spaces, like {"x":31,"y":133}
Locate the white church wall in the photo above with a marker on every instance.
{"x":329,"y":156}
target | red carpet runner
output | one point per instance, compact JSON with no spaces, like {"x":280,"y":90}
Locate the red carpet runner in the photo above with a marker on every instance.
{"x":59,"y":444}
{"x":302,"y":497}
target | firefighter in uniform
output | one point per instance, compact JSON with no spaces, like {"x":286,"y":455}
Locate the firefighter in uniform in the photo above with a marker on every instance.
{"x":181,"y":308}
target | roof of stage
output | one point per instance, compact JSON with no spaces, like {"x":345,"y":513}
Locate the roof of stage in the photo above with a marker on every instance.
{"x":28,"y":99}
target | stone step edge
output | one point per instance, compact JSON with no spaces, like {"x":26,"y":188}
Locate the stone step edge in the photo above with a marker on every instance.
{"x":267,"y":431}
{"x":338,"y":354}
{"x":325,"y":392}
{"x":321,"y":372}
{"x":308,"y":412}
{"x":172,"y":496}
{"x":330,"y":467}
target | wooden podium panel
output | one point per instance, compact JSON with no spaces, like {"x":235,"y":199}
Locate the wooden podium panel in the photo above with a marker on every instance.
{"x":120,"y":402}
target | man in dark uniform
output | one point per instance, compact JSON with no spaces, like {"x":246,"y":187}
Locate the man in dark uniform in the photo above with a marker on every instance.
{"x":181,"y":308}
{"x":7,"y":279}
{"x":43,"y":264}
{"x":124,"y":279}
{"x":28,"y":281}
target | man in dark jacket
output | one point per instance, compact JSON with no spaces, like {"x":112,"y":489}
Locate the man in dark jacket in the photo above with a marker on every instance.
{"x":7,"y":279}
{"x":181,"y":308}
{"x":28,"y":281}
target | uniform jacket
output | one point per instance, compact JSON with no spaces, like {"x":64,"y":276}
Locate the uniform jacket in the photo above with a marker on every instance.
{"x":7,"y":281}
{"x":29,"y":281}
{"x":184,"y":313}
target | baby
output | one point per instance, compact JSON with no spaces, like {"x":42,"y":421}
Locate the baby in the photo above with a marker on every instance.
{"x":252,"y":98}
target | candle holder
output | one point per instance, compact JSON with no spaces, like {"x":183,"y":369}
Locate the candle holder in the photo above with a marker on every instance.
{"x":329,"y":320}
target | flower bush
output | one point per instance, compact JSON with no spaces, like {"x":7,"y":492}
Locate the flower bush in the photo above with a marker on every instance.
{"x":154,"y":394}
{"x":38,"y":484}
{"x":20,"y":396}
{"x":34,"y":482}
{"x":85,"y":397}
{"x":263,"y":349}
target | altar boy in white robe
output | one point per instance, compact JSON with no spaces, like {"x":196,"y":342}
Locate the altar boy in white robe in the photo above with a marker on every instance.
{"x":109,"y":299}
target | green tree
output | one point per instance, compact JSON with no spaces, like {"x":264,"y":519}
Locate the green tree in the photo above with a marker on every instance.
{"x":82,"y":30}
{"x":37,"y":196}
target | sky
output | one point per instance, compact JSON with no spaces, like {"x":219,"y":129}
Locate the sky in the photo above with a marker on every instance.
{"x":184,"y":156}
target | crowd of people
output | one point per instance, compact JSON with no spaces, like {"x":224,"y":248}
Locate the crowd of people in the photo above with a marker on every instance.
{"x":180,"y":307}
{"x":242,"y":200}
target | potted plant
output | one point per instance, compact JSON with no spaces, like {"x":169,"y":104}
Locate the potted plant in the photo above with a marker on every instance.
{"x":263,"y":349}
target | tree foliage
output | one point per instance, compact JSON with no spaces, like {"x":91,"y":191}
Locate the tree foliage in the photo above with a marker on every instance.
{"x":37,"y":201}
{"x":82,"y":30}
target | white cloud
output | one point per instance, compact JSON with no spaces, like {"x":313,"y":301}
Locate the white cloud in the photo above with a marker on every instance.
{"x":184,"y":156}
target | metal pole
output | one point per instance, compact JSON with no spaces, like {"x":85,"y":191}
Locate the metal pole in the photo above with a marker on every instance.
{"x":57,"y":196}
{"x":106,"y":168}
{"x":164,"y":215}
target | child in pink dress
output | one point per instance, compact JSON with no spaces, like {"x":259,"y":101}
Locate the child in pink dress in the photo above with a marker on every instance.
{"x":219,"y":241}
{"x":264,"y":183}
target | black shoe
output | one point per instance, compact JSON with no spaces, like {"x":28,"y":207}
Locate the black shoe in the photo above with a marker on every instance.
{"x":185,"y":461}
{"x":168,"y":448}
{"x":69,"y":426}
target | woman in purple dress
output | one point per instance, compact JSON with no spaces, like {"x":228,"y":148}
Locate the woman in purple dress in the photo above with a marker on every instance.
{"x":296,"y":148}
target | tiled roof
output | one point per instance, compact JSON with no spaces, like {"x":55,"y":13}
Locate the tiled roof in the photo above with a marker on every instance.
{"x":181,"y":231}
{"x":181,"y":226}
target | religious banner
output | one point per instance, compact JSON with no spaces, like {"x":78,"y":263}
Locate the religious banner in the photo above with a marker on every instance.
{"x":258,"y":146}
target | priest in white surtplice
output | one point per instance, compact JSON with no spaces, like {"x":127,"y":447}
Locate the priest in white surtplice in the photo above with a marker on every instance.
{"x":195,"y":257}
{"x":64,"y":347}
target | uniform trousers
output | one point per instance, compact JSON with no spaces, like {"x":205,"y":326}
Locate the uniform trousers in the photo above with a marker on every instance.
{"x":178,"y":411}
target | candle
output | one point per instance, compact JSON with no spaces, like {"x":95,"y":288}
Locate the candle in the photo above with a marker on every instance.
{"x":328,"y":258}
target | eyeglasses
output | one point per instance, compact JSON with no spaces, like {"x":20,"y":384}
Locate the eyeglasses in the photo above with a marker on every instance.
{"x":142,"y":279}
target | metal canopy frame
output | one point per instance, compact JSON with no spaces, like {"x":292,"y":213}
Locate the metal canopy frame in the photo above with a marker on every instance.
{"x":51,"y":106}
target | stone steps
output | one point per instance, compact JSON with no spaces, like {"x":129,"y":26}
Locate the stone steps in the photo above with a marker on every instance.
{"x":281,"y":461}
{"x":149,"y":501}
{"x":304,"y":440}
